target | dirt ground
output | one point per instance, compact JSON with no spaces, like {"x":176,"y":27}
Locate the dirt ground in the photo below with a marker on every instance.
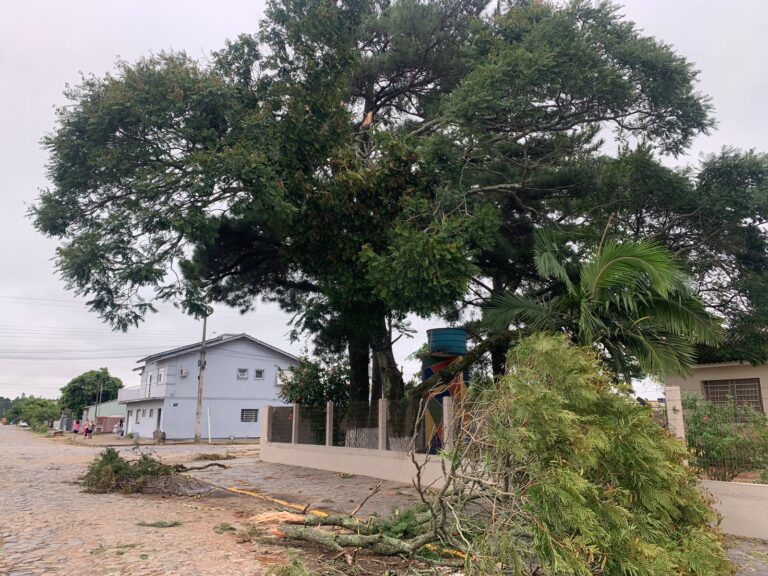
{"x":49,"y":526}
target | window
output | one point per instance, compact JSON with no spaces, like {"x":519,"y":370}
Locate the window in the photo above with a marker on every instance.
{"x":744,"y":391}
{"x":249,"y":415}
{"x":138,"y":414}
{"x":143,"y":412}
{"x":151,"y":410}
{"x":149,"y":378}
{"x":242,"y":373}
{"x":258,"y":374}
{"x":130,"y":414}
{"x":160,"y":375}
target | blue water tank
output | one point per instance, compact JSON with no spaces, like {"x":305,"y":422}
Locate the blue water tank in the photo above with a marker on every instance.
{"x":447,"y":341}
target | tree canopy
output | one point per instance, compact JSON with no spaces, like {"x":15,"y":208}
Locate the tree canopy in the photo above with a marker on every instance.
{"x":87,"y":389}
{"x":33,"y":410}
{"x":358,"y":162}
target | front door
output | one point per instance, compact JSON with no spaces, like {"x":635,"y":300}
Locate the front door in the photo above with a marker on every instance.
{"x":159,"y":411}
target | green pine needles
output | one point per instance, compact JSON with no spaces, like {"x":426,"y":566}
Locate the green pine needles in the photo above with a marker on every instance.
{"x":575,"y":478}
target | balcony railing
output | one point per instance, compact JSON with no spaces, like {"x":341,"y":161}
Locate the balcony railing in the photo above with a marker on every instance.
{"x":136,"y":393}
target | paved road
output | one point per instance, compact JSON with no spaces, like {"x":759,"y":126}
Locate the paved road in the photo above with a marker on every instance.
{"x":49,"y":527}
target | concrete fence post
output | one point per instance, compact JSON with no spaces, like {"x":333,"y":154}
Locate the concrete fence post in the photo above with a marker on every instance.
{"x":329,"y":423}
{"x":674,"y":403}
{"x":295,"y":424}
{"x":449,"y":429}
{"x":382,"y":424}
{"x":266,"y":424}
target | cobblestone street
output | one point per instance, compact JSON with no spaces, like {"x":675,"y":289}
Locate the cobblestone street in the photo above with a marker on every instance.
{"x":50,"y":527}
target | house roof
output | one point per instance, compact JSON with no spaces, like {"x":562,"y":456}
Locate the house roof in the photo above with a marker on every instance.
{"x":217,"y":341}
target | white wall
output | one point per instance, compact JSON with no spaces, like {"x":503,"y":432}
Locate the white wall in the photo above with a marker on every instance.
{"x":147,"y":418}
{"x":223,"y":392}
{"x":742,"y":507}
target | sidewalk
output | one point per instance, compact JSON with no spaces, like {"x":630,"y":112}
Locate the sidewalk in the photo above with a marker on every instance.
{"x":109,"y":439}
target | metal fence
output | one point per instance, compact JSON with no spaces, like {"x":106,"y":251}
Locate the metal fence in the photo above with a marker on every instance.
{"x":311,"y":428}
{"x":418,"y":425}
{"x":280,"y":424}
{"x":356,"y":425}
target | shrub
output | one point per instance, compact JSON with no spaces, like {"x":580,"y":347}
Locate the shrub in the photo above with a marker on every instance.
{"x":40,"y":428}
{"x":110,"y":472}
{"x":725,"y":440}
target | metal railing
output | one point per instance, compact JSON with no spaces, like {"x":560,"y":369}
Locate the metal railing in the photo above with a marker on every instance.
{"x":141,"y":393}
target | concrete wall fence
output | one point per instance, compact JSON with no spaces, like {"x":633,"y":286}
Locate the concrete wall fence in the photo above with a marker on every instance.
{"x":390,"y":460}
{"x":741,"y":506}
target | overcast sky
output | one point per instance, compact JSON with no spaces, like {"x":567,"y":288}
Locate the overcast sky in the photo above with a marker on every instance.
{"x":46,"y":337}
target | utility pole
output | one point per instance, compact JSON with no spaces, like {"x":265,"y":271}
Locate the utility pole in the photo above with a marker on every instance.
{"x":200,"y":382}
{"x":98,"y":401}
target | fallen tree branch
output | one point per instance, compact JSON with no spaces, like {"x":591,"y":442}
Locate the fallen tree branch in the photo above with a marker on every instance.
{"x":449,"y":372}
{"x":376,"y":489}
{"x":182,"y":468}
{"x":337,"y":541}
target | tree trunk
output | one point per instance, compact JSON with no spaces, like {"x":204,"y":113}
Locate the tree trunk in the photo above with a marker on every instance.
{"x":376,"y":390}
{"x":359,"y":359}
{"x":392,"y":385}
{"x":499,"y":358}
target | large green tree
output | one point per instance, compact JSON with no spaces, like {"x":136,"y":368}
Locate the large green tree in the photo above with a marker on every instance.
{"x":355,"y":162}
{"x":87,"y":389}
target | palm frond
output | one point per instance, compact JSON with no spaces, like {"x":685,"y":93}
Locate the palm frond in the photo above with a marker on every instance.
{"x":630,"y":264}
{"x":548,"y":264}
{"x":661,"y":354}
{"x":683,"y":315}
{"x":509,"y":308}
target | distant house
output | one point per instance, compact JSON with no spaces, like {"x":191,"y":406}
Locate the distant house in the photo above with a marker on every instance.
{"x":716,"y":382}
{"x":241,"y":377}
{"x":106,"y":415}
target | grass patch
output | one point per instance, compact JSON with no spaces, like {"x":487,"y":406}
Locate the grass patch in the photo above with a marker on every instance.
{"x":295,"y":568}
{"x":120,"y":549}
{"x":160,"y":524}
{"x":224,"y":527}
{"x":213,"y":456}
{"x":110,"y":472}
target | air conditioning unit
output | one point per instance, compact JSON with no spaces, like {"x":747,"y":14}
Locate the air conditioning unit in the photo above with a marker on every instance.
{"x":184,"y":372}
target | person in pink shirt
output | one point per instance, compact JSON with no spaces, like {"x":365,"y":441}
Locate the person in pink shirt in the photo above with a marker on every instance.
{"x":76,"y":427}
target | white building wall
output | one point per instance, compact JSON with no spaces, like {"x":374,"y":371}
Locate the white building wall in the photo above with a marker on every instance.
{"x":142,"y":418}
{"x":225,"y":393}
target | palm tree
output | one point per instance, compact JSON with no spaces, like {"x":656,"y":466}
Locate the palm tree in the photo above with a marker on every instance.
{"x":631,"y":300}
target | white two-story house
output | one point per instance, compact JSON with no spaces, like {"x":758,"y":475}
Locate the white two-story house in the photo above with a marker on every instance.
{"x":241,"y":377}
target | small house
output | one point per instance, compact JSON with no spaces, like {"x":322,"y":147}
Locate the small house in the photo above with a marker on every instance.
{"x":105,"y":415}
{"x":743,"y":382}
